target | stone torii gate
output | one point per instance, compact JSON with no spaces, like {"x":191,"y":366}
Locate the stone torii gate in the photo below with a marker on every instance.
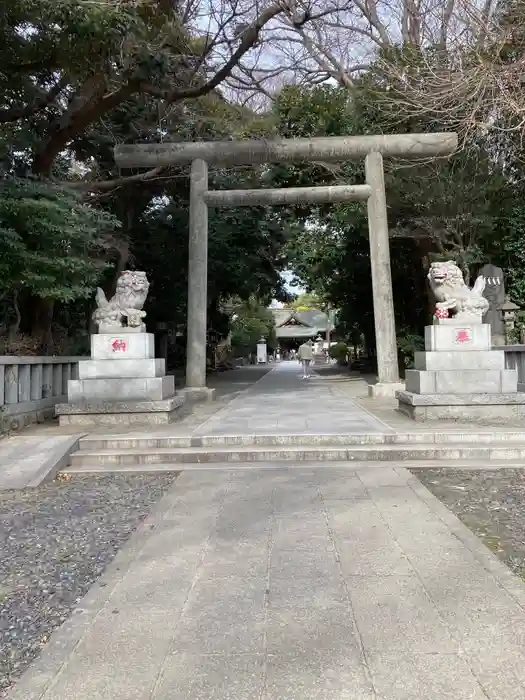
{"x":232,"y":153}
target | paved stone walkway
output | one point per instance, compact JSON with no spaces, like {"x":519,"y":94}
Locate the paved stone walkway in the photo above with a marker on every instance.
{"x":310,"y":583}
{"x":283,"y":402}
{"x":314,"y":584}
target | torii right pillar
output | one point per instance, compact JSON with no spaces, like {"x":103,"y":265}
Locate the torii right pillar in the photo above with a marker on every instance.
{"x":388,"y":381}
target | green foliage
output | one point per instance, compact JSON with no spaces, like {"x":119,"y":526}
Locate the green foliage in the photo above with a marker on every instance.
{"x":508,"y":249}
{"x":408,"y":343}
{"x":49,"y":241}
{"x":245,"y":255}
{"x":319,"y":111}
{"x":77,"y":77}
{"x":251,"y":322}
{"x":339,"y":352}
{"x":307,"y":301}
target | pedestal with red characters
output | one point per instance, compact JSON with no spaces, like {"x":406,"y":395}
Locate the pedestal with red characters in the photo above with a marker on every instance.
{"x":122,"y":384}
{"x":460,"y":377}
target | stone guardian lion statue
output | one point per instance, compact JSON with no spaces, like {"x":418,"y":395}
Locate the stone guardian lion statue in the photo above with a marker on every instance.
{"x":130,"y":295}
{"x":453,"y":295}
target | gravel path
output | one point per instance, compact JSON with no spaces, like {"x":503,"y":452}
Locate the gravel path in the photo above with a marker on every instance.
{"x":489,"y":502}
{"x":55,"y":541}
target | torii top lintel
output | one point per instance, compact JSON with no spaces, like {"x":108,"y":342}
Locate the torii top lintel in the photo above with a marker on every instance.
{"x":330,"y":148}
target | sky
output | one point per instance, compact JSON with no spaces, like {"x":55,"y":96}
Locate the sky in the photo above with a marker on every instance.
{"x":288,"y":278}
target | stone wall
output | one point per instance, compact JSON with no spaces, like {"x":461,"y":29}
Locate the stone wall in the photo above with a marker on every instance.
{"x":31,"y":386}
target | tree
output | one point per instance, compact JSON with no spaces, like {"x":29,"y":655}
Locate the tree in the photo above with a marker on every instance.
{"x":474,"y":87}
{"x":250,"y":323}
{"x":77,"y":77}
{"x":342,"y":38}
{"x":68,"y":64}
{"x":49,"y":243}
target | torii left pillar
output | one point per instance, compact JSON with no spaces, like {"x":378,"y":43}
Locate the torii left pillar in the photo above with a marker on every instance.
{"x":196,"y":388}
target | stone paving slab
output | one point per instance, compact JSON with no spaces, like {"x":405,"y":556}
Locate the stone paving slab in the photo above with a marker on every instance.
{"x":27,"y":461}
{"x":271,"y":585}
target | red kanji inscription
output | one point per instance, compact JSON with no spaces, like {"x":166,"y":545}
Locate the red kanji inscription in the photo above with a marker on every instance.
{"x":462,"y":336}
{"x":119,"y":345}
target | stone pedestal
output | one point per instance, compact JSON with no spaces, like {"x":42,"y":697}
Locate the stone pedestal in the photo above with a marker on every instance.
{"x":459,"y":377}
{"x":123,"y":383}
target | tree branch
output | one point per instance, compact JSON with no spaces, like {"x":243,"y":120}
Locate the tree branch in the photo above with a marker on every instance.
{"x":110,"y":185}
{"x":249,"y":38}
{"x":16,"y":112}
{"x":79,"y":120}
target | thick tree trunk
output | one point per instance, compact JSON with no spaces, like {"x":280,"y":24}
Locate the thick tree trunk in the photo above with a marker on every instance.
{"x":42,"y":325}
{"x":14,"y":328}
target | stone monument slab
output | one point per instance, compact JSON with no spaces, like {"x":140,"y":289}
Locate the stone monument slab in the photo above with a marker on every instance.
{"x":494,"y":293}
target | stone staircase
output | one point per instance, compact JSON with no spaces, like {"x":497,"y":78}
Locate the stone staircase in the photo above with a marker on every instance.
{"x":164,"y":453}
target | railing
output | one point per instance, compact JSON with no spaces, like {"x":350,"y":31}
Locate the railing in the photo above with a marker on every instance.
{"x":31,"y":386}
{"x":515,"y":359}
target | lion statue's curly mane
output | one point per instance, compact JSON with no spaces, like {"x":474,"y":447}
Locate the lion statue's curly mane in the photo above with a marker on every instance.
{"x":130,"y":296}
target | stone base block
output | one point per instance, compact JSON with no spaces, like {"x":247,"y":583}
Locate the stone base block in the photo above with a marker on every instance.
{"x":119,"y":369}
{"x":126,"y":346}
{"x":129,"y":389}
{"x":491,"y":409}
{"x":385,"y":390}
{"x":121,"y":413}
{"x":198,"y":394}
{"x":456,"y":359}
{"x":467,"y":381}
{"x":475,"y":336}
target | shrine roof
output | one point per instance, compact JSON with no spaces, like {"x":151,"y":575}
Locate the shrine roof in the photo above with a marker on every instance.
{"x":293,"y":324}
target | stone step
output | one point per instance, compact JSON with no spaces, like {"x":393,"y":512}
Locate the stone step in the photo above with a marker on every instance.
{"x":147,"y":441}
{"x":95,"y":468}
{"x":301,"y":453}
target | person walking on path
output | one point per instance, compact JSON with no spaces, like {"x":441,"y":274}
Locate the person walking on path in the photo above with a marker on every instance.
{"x":306,"y":355}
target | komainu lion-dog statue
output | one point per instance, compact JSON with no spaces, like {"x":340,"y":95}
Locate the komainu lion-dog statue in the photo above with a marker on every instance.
{"x":453,"y":295}
{"x":130,"y":295}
